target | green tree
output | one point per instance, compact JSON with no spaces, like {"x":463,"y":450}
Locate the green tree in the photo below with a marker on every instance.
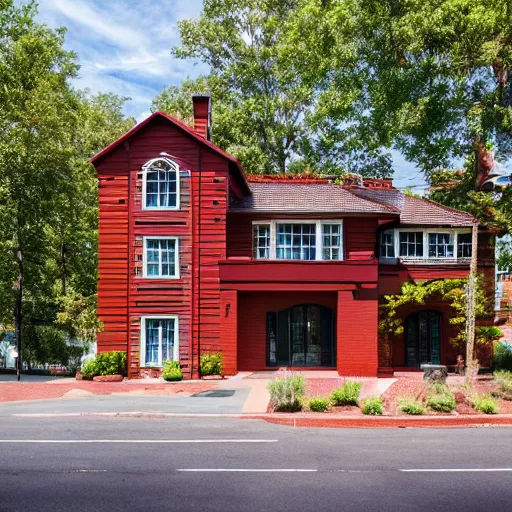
{"x":266,"y":79}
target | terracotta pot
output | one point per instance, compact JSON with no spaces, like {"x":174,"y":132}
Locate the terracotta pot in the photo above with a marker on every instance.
{"x":108,"y":378}
{"x":78,"y":375}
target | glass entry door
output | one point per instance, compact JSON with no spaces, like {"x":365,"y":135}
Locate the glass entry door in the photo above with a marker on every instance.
{"x":300,"y":336}
{"x":423,"y":338}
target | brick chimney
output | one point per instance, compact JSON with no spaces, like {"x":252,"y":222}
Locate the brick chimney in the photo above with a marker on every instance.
{"x":202,"y":104}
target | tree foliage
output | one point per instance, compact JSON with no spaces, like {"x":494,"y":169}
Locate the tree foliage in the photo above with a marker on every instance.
{"x":48,"y":190}
{"x":269,"y":65}
{"x":449,"y":291}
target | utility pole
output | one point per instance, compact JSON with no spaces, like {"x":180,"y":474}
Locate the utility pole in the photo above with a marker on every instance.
{"x":471,"y":304}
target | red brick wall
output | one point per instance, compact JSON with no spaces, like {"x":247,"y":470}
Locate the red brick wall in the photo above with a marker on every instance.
{"x":357,"y":333}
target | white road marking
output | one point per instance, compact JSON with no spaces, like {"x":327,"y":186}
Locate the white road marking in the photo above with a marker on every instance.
{"x":455,"y":470}
{"x":237,"y":470}
{"x":134,"y":441}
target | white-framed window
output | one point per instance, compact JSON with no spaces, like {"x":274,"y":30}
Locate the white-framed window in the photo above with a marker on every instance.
{"x":464,"y":244}
{"x":440,"y":245}
{"x":161,"y":185}
{"x":306,"y":240}
{"x":387,"y":244}
{"x":261,"y":241}
{"x":161,"y":257}
{"x":331,"y":241}
{"x":411,"y":244}
{"x":159,"y":340}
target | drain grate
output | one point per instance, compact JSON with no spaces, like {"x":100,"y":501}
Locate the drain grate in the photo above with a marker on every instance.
{"x":217,"y":393}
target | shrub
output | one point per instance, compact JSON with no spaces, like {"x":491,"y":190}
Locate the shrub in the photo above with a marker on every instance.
{"x":287,"y":394}
{"x":89,"y":369}
{"x":211,"y":364}
{"x":372,"y":406}
{"x":346,"y":395}
{"x":440,"y":398}
{"x":172,"y":371}
{"x":411,"y":406}
{"x":111,"y":363}
{"x":505,"y":380}
{"x":319,"y":404}
{"x":502,"y":356}
{"x":106,"y":363}
{"x":485,"y":404}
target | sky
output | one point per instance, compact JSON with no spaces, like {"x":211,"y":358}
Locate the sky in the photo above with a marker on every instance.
{"x":124,"y":46}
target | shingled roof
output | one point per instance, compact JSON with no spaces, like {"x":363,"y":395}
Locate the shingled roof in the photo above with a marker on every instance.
{"x":416,"y":210}
{"x":283,"y":197}
{"x":304,"y":198}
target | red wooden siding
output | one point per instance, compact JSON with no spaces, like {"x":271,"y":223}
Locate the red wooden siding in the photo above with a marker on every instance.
{"x":203,"y":195}
{"x":113,"y":253}
{"x":359,"y":232}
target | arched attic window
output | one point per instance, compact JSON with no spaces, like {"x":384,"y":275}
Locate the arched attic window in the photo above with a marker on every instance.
{"x":161,"y":184}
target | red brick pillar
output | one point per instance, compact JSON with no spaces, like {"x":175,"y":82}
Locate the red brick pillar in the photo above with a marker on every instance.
{"x":229,"y":330}
{"x":356,"y":333}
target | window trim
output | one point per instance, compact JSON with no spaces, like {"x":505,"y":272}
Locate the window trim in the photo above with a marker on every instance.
{"x":145,"y":168}
{"x":454,"y":232}
{"x":176,"y":261}
{"x":176,"y":348}
{"x":318,"y":237}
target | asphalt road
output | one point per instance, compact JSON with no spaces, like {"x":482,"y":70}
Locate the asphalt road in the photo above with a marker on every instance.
{"x":130,"y":464}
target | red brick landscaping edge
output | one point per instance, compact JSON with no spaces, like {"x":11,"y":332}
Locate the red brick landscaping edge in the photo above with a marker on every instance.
{"x":108,"y":378}
{"x":386,"y":422}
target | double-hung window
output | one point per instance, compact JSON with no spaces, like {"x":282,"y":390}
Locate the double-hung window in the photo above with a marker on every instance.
{"x":161,"y":184}
{"x":159,"y":340}
{"x":440,"y":245}
{"x":331,"y":241}
{"x":464,"y":243}
{"x":261,"y":242}
{"x":387,"y":244}
{"x":411,"y":244}
{"x":161,"y":257}
{"x":298,"y":240}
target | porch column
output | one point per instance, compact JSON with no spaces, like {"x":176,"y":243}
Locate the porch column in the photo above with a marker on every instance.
{"x":229,"y":330}
{"x":356,"y":333}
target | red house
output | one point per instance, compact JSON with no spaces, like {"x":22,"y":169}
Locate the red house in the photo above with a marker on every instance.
{"x":195,"y":258}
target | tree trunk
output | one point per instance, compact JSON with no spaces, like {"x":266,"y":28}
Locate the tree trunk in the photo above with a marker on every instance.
{"x":471,"y":304}
{"x":17,"y":311}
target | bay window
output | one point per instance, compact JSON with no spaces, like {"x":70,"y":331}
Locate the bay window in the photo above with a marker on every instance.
{"x":440,"y":245}
{"x":427,"y":244}
{"x":298,"y":240}
{"x":387,"y":244}
{"x":411,"y":244}
{"x":159,"y":340}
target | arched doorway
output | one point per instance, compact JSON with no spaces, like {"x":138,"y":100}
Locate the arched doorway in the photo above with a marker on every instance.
{"x":301,"y":335}
{"x":423,"y":338}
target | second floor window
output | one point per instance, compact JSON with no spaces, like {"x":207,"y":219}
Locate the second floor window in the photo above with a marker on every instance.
{"x":387,"y":244}
{"x":293,"y":240}
{"x":464,"y":242}
{"x":161,"y":257}
{"x":160,"y":188}
{"x":411,"y":244}
{"x":440,"y":245}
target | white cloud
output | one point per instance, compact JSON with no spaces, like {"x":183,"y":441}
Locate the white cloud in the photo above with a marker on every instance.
{"x":124,"y":46}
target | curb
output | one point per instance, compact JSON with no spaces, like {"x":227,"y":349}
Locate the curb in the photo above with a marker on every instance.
{"x":387,"y":422}
{"x":290,"y":420}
